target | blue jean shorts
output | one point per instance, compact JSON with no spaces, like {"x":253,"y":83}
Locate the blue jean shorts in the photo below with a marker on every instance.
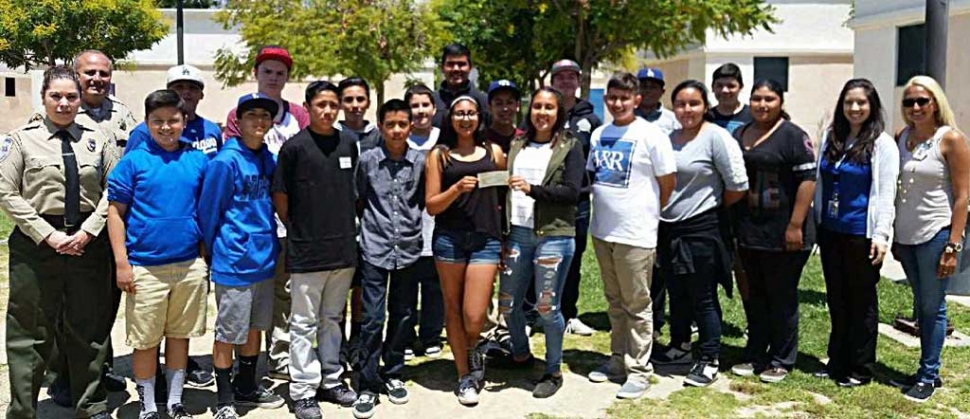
{"x":465,"y":247}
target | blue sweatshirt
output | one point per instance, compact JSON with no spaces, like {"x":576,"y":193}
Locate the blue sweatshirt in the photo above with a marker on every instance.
{"x":161,"y":189}
{"x":236,"y":215}
{"x":202,"y":134}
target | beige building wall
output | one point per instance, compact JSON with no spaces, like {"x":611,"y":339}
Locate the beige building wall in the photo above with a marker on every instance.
{"x":814,"y":83}
{"x":675,"y":71}
{"x":15,"y":109}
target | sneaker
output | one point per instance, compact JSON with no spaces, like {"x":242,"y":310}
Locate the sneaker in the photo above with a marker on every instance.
{"x":279,"y":374}
{"x":397,"y":393}
{"x":702,"y":374}
{"x":850,"y":382}
{"x":822,"y":374}
{"x":261,"y":397}
{"x":177,"y":411}
{"x":149,"y":415}
{"x":199,"y":377}
{"x":773,"y":375}
{"x":433,"y":351}
{"x":408,"y":355}
{"x":576,"y":327}
{"x":307,"y":408}
{"x":920,"y":392}
{"x":604,"y":373}
{"x":510,"y":363}
{"x":112,"y":382}
{"x":365,"y":404}
{"x":547,"y":386}
{"x":340,"y":395}
{"x":906,"y":382}
{"x":632,"y":389}
{"x":467,"y":390}
{"x":100,"y":415}
{"x":226,"y":411}
{"x":476,"y":364}
{"x":743,"y":370}
{"x":673,"y":355}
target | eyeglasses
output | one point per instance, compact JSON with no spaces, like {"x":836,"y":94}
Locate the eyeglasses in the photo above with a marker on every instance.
{"x":921,"y":101}
{"x":465,"y":115}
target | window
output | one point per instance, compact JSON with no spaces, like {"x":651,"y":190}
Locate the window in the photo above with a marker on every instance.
{"x":910,"y":52}
{"x":9,"y":87}
{"x":775,"y":68}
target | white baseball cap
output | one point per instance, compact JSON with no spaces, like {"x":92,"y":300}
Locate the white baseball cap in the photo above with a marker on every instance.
{"x":184,"y":72}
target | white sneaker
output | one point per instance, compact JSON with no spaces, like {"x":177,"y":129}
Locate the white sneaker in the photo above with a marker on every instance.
{"x":432,"y":351}
{"x":604,"y":373}
{"x":576,"y":327}
{"x":468,"y":390}
{"x":408,"y":354}
{"x":632,"y":389}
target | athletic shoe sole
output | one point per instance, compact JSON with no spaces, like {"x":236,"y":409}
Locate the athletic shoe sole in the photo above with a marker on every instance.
{"x":693,"y":383}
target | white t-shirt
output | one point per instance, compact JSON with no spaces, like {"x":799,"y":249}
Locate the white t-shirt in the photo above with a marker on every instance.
{"x":425,"y":145}
{"x":530,"y":164}
{"x":626,"y":162}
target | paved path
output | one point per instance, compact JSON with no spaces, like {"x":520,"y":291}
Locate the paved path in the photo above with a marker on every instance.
{"x":431,"y":383}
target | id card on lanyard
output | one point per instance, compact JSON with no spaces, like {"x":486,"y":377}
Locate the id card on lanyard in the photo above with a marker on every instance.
{"x":833,"y":204}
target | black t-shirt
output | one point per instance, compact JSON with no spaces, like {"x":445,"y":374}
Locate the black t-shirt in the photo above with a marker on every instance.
{"x":776,"y":168}
{"x":731,"y":122}
{"x":316,"y":172}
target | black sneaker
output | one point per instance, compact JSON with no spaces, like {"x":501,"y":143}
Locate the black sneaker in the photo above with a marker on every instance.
{"x":177,"y":411}
{"x":547,"y":386}
{"x":476,"y":364}
{"x":702,"y":374}
{"x":397,"y":393}
{"x":509,"y":363}
{"x":307,"y":408}
{"x":261,"y":397}
{"x":822,"y":373}
{"x":910,"y":380}
{"x":920,"y":392}
{"x":365,"y":404}
{"x":850,"y":382}
{"x":673,"y":355}
{"x":196,"y":376}
{"x":340,"y":395}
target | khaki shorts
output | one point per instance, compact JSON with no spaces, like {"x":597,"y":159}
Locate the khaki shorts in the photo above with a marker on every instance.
{"x":169,"y":301}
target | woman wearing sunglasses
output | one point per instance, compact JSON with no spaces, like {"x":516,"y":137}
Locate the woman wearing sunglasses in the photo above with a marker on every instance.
{"x":931,"y":215}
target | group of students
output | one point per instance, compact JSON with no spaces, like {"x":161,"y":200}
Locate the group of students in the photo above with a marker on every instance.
{"x":292,"y":209}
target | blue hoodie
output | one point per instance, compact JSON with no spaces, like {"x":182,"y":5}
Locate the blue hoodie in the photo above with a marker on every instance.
{"x":236,"y":215}
{"x":161,"y":189}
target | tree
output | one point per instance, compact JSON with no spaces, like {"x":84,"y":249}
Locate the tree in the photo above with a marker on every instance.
{"x":187,"y":4}
{"x":591,"y":31}
{"x":43,"y":32}
{"x":372,"y":39}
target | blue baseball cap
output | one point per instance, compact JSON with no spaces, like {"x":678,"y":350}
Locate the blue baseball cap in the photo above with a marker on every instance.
{"x":256,"y":100}
{"x":503,"y":84}
{"x":651,"y":73}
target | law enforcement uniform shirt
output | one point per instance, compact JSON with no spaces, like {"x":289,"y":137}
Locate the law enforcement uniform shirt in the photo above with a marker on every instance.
{"x":113,"y":116}
{"x":32,"y":180}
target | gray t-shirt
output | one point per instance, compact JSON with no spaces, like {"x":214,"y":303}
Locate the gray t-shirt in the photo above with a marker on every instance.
{"x":706,"y":166}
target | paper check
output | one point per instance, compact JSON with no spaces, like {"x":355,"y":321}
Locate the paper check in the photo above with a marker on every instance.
{"x":494,"y":178}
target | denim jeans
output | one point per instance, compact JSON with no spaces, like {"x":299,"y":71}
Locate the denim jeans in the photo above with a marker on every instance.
{"x":375,"y":282}
{"x":545,"y":262}
{"x":920,"y":262}
{"x":570,"y":293}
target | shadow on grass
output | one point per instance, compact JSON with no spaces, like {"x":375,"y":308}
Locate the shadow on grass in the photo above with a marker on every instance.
{"x":597,"y":320}
{"x":812,"y":297}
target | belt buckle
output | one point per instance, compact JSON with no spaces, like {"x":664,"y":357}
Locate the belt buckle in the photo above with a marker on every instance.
{"x":68,"y":224}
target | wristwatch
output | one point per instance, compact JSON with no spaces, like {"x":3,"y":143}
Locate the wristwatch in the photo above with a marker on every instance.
{"x":953,"y":248}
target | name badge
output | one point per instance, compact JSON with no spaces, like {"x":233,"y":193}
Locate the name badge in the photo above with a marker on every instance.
{"x":345,"y":163}
{"x":833,"y":209}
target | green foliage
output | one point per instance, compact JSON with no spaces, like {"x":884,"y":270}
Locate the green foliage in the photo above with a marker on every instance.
{"x":43,"y":32}
{"x":186,"y":4}
{"x":521,"y":38}
{"x":372,"y":39}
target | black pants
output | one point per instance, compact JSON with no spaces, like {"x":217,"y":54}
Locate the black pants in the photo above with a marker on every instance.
{"x":400,"y":312}
{"x":570,"y":291}
{"x":658,"y":293}
{"x":772,"y":306}
{"x":694,"y":296}
{"x":431,"y":318}
{"x":47,"y":289}
{"x":850,"y":285}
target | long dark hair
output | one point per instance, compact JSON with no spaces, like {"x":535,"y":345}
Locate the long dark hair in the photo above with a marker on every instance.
{"x":840,"y":128}
{"x":557,"y":128}
{"x":700,"y":87}
{"x":448,"y":138}
{"x":775,"y":87}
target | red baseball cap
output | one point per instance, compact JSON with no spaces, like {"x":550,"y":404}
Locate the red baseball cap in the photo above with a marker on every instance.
{"x":274,"y":53}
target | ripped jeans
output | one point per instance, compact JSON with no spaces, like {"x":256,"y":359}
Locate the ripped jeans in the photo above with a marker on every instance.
{"x":544,"y":260}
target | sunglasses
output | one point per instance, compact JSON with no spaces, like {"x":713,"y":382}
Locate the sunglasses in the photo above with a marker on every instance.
{"x":921,"y":101}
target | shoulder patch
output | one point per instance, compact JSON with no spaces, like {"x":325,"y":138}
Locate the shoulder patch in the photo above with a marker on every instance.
{"x":5,"y":146}
{"x":35,"y":117}
{"x":92,"y":145}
